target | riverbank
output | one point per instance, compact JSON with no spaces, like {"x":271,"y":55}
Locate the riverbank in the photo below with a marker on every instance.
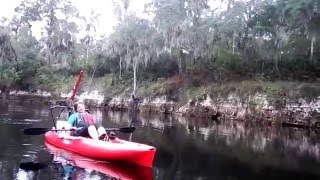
{"x":286,"y":103}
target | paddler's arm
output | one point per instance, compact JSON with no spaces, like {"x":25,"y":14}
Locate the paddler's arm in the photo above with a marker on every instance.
{"x":72,"y":119}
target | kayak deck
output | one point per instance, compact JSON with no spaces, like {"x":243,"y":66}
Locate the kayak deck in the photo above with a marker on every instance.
{"x":114,"y":150}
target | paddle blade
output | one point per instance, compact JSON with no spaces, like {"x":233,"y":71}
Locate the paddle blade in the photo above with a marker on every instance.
{"x":38,"y":131}
{"x":123,"y":129}
{"x":127,"y":129}
{"x":31,"y":166}
{"x":35,"y":131}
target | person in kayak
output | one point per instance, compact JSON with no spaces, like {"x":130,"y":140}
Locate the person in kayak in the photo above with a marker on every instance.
{"x":83,"y":124}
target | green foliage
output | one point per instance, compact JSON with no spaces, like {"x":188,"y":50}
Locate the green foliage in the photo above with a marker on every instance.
{"x":59,"y":36}
{"x":28,"y":70}
{"x":110,"y":80}
{"x":153,"y":72}
{"x":153,"y":89}
{"x":104,"y":65}
{"x":113,"y":85}
{"x":255,"y":39}
{"x":229,"y":61}
{"x":309,"y":92}
{"x":44,"y":76}
{"x":169,"y":87}
{"x":55,"y":83}
{"x":8,"y":75}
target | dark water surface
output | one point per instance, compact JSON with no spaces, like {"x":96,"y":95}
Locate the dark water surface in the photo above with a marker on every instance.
{"x":186,"y":148}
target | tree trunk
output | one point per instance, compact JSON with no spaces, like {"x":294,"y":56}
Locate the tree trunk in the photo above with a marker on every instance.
{"x":181,"y":62}
{"x":233,"y":43}
{"x":244,"y":43}
{"x":120,"y":66}
{"x":280,"y":50}
{"x":87,"y":48}
{"x":48,"y":52}
{"x":278,"y":57}
{"x":134,"y":77}
{"x":50,"y":30}
{"x":16,"y":66}
{"x":87,"y":54}
{"x":313,"y":40}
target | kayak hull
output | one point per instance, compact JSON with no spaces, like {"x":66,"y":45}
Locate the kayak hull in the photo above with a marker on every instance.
{"x":115,"y":170}
{"x":116,"y":150}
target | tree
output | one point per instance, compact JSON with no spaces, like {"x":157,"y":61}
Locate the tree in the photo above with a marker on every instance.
{"x":269,"y":24}
{"x":171,"y":22}
{"x":119,"y":48}
{"x":131,"y":42}
{"x":7,"y":52}
{"x":59,"y":32}
{"x":90,"y":24}
{"x":20,"y":50}
{"x":303,"y":16}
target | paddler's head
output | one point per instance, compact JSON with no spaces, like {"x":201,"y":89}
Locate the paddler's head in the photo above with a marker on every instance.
{"x":79,"y":107}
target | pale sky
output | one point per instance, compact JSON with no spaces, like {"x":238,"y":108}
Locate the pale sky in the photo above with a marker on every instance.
{"x":104,"y":7}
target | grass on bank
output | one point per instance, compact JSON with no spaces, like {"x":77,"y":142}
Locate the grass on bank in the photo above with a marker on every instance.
{"x":179,"y":89}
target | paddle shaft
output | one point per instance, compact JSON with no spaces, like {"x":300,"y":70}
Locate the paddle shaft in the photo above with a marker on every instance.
{"x":76,"y":85}
{"x":38,"y":131}
{"x":68,"y":102}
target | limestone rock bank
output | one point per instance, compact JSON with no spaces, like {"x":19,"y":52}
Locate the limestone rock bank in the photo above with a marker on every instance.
{"x":259,"y":107}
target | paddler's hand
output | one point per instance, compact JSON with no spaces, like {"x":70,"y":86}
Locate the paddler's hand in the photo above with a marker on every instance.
{"x":70,"y":101}
{"x":73,"y":128}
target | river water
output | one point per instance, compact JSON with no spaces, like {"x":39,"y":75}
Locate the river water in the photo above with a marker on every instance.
{"x":187,"y":148}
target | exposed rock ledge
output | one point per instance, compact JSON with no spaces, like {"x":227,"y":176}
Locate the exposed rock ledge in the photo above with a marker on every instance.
{"x":36,"y":96}
{"x":299,"y":113}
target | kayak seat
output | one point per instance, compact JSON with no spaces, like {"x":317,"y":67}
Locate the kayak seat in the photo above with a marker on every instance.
{"x":103,"y":137}
{"x":112,"y":135}
{"x":63,"y":125}
{"x":112,"y":138}
{"x":115,"y":140}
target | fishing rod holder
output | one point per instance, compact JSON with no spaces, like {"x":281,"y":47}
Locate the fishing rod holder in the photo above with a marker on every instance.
{"x":52,"y":108}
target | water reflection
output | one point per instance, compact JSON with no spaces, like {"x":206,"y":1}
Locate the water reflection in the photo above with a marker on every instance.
{"x":256,"y":137}
{"x":187,"y":148}
{"x":192,"y":145}
{"x":21,"y":175}
{"x":79,"y":167}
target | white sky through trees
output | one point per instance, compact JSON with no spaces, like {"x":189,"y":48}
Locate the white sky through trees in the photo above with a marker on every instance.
{"x":107,"y":18}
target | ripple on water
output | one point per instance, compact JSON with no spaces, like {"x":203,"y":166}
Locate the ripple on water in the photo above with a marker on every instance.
{"x":22,"y":174}
{"x":9,"y":120}
{"x":35,"y":154}
{"x":26,"y":155}
{"x":32,"y":120}
{"x":26,"y":144}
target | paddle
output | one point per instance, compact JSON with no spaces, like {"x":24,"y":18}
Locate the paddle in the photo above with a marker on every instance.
{"x":33,"y":166}
{"x":123,"y":129}
{"x":38,"y":131}
{"x":76,"y":85}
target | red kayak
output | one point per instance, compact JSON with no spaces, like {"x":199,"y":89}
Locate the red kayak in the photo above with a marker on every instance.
{"x":116,"y":150}
{"x":117,"y":171}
